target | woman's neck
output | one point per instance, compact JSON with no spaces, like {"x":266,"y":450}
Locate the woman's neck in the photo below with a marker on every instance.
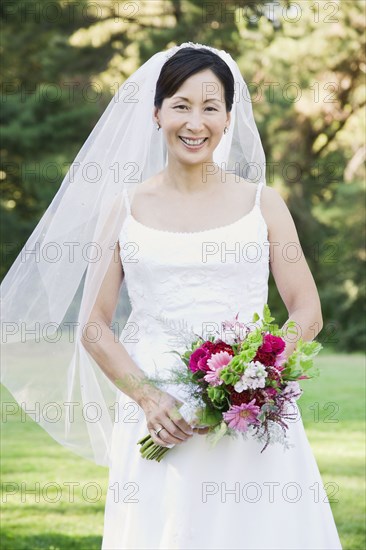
{"x":191,"y":178}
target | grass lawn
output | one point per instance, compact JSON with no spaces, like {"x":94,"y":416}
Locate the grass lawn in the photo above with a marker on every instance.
{"x":68,"y":514}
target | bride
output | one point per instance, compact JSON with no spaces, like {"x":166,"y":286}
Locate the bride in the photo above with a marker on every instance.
{"x":172,"y":215}
{"x":182,"y":242}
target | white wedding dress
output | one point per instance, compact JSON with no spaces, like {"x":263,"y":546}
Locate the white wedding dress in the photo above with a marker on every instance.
{"x":232,"y":496}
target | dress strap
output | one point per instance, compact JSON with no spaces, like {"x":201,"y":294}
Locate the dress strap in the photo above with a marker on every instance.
{"x":127,"y":200}
{"x":258,"y":193}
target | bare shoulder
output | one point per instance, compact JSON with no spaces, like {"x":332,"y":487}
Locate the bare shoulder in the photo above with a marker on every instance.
{"x":139,"y":191}
{"x":271,"y":200}
{"x":147,"y":187}
{"x":276,"y":212}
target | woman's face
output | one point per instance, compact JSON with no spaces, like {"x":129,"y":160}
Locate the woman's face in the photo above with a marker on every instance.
{"x":197,"y":112}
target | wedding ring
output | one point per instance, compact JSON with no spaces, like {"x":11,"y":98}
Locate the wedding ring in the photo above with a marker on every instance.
{"x":159,"y":430}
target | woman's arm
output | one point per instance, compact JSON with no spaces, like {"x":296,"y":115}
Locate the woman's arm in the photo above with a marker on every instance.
{"x":110,"y":354}
{"x":290,"y":270}
{"x":160,"y":407}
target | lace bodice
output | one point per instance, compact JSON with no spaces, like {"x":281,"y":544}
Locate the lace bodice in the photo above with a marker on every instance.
{"x":195,"y":277}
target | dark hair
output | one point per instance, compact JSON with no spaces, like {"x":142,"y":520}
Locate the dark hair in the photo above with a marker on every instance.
{"x":185,"y":63}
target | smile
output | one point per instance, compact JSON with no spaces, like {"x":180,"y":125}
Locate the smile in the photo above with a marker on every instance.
{"x":193,"y":142}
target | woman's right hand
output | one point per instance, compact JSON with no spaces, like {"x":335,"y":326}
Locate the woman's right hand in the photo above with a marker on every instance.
{"x":161,"y":410}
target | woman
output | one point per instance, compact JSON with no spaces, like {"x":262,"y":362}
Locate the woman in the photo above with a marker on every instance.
{"x":196,"y":497}
{"x":185,"y":252}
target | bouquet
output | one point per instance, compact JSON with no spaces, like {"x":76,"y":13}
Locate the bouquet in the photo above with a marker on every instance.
{"x":241,"y":384}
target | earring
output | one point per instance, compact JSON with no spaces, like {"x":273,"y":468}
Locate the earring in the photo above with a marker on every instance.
{"x":158,"y":126}
{"x":226,"y":129}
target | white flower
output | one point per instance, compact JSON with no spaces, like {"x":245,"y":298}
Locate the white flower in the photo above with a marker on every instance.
{"x":293,"y":388}
{"x":240,"y":385}
{"x":254,"y":377}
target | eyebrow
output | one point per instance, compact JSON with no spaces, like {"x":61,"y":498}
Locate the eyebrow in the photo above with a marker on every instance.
{"x":186,"y":99}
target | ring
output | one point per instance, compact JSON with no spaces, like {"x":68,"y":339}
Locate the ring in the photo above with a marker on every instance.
{"x":159,"y":430}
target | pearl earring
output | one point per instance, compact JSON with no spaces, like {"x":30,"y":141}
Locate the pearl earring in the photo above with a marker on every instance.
{"x":158,"y":126}
{"x":226,"y":129}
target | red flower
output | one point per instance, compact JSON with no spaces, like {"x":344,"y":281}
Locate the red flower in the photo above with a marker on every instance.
{"x":270,"y":348}
{"x":237,"y":398}
{"x":271,"y":392}
{"x":261,"y":395}
{"x":200,"y":356}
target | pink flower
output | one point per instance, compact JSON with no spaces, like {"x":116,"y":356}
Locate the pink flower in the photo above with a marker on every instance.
{"x":200,"y":356}
{"x":198,"y":359}
{"x":239,"y":417}
{"x":230,"y":323}
{"x":216,"y":363}
{"x":237,"y":331}
{"x":280,"y":360}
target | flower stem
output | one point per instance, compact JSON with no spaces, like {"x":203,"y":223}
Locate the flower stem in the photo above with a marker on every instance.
{"x":146,"y":446}
{"x":151,"y":450}
{"x":144,"y":439}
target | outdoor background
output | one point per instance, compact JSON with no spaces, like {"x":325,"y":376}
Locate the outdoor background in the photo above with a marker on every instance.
{"x":304,"y":63}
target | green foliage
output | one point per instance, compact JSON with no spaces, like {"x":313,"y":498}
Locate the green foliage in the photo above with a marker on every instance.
{"x":233,"y":370}
{"x":208,"y":416}
{"x":301,"y":360}
{"x":217,"y":395}
{"x":306,"y":78}
{"x":217,"y":433}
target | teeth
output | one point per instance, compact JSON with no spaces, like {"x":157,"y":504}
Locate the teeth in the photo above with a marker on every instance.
{"x":193,"y":141}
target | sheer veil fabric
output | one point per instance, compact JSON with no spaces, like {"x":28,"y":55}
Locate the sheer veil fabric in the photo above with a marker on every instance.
{"x":50,"y":289}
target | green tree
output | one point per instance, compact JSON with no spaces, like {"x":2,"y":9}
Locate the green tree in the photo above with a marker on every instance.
{"x":304,"y":63}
